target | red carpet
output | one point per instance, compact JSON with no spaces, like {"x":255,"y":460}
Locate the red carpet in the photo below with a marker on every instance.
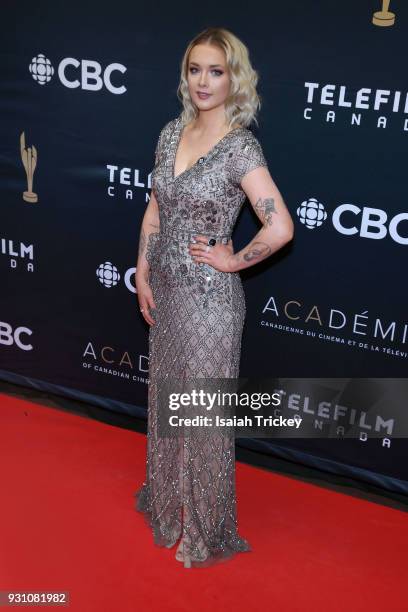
{"x":68,"y":524}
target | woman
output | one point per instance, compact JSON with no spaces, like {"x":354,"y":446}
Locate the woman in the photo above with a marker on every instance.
{"x":189,"y":289}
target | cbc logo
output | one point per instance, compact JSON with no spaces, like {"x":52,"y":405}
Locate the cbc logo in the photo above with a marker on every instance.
{"x":109,"y":276}
{"x":373,"y":222}
{"x":73,"y":73}
{"x":10,"y":336}
{"x":311,"y":213}
{"x":349,"y":219}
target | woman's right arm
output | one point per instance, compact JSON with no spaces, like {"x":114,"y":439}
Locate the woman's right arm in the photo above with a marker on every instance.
{"x":150,"y":226}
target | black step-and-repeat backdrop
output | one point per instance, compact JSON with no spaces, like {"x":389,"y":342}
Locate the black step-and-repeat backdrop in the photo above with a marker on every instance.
{"x":85,"y":90}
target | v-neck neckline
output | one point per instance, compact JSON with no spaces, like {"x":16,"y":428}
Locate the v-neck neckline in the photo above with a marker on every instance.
{"x":179,"y":131}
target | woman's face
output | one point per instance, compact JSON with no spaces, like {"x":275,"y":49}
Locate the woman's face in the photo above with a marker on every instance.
{"x":207,"y":72}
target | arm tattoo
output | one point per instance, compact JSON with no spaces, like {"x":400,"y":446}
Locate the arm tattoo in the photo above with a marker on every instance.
{"x":258,"y":250}
{"x":265,"y":208}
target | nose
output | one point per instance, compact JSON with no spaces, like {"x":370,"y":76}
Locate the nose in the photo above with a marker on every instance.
{"x":203,"y":81}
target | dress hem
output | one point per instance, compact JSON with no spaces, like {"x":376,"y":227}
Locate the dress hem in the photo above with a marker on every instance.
{"x":216,"y":556}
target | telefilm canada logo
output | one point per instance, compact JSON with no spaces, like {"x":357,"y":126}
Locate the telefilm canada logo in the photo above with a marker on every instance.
{"x":380,"y":106}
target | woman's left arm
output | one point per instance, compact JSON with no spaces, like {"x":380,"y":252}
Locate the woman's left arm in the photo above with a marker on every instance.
{"x":277,"y":225}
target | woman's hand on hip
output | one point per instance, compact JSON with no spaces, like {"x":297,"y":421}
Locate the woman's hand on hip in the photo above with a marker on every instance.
{"x":218,"y":256}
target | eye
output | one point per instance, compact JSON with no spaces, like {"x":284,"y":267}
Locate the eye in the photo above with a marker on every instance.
{"x":217,"y":72}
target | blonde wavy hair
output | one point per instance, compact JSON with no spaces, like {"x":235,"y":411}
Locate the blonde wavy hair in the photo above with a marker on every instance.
{"x":243,"y":101}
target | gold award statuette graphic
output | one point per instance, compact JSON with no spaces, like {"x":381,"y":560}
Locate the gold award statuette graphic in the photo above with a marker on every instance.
{"x":384,"y":17}
{"x":29,"y":157}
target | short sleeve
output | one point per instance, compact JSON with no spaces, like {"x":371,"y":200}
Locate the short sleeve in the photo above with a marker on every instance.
{"x":249,"y":155}
{"x":160,"y":146}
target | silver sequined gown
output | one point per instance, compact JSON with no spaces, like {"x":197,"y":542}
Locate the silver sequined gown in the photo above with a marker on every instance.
{"x":190,"y":482}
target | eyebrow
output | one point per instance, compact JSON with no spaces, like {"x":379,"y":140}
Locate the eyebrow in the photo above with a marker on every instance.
{"x":211,"y":65}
